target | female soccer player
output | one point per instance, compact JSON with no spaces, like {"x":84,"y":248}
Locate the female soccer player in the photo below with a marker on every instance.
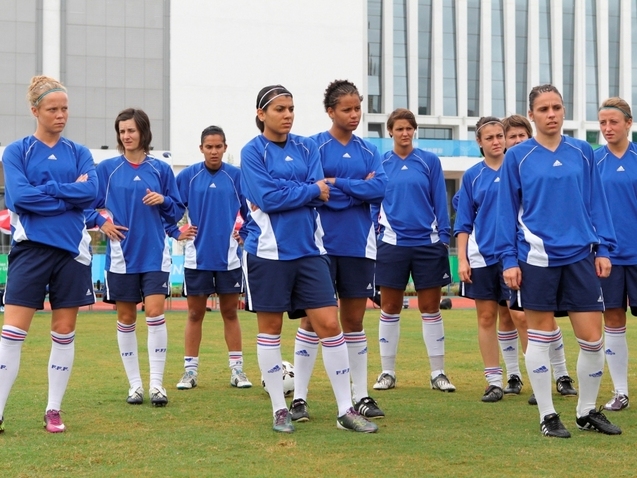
{"x":413,"y":239}
{"x":49,"y":181}
{"x":617,"y":162}
{"x":211,"y":190}
{"x":285,"y":266}
{"x":140,"y":194}
{"x":516,"y":130}
{"x":353,"y":169}
{"x":478,"y":266}
{"x":553,"y":236}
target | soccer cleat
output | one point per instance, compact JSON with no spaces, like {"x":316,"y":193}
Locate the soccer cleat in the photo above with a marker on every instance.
{"x":53,"y":422}
{"x":238,"y":379}
{"x":617,"y":403}
{"x":596,"y":420}
{"x":298,"y":410}
{"x":442,"y":383}
{"x":564,"y":385}
{"x":355,"y":422}
{"x":158,"y":397}
{"x":188,"y":380}
{"x":493,"y":393}
{"x":282,"y":421}
{"x":532,"y":400}
{"x":552,"y":426}
{"x":385,"y":381}
{"x":135,"y":396}
{"x":514,"y":386}
{"x":368,"y":408}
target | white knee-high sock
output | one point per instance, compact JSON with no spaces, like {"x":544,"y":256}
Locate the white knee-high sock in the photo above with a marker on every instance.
{"x":433,"y":334}
{"x":269,"y":357}
{"x":539,"y":369}
{"x":616,"y":350}
{"x":388,"y":336}
{"x":157,"y":347}
{"x":558,"y":359}
{"x":590,"y":368}
{"x":10,"y":351}
{"x":305,"y":351}
{"x":235,"y":360}
{"x":127,"y":341}
{"x":493,"y":376}
{"x":336,"y":364}
{"x":357,"y":353}
{"x":508,"y":340}
{"x":191,"y":364}
{"x":60,"y":366}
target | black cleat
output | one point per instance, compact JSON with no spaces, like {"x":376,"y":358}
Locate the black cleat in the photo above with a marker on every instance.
{"x":493,"y":393}
{"x":552,"y":426}
{"x":564,"y":386}
{"x":298,"y":410}
{"x":369,"y":408}
{"x":597,"y":421}
{"x":514,"y":386}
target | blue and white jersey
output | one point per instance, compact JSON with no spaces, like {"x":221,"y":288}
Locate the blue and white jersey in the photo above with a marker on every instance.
{"x":346,"y":217}
{"x":551,"y":206}
{"x":278,"y":183}
{"x":44,"y":200}
{"x":414,"y":211}
{"x":122,"y":186}
{"x":619,"y":176}
{"x":477,"y":213}
{"x":213,"y":199}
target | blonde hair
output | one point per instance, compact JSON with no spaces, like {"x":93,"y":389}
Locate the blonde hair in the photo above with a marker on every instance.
{"x":617,"y":103}
{"x":40,"y":87}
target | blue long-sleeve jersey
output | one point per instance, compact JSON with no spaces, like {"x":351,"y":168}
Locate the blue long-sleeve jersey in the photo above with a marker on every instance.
{"x":551,"y":206}
{"x":122,"y":186}
{"x":278,"y":183}
{"x":346,"y":217}
{"x":476,"y":213}
{"x":213,"y":200}
{"x":45,"y":202}
{"x":414,"y":211}
{"x":619,"y":176}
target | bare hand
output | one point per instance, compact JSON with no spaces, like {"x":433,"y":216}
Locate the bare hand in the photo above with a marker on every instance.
{"x":325,"y":190}
{"x":513,"y":278}
{"x":602,"y":266}
{"x":189,"y":234}
{"x":152,"y":198}
{"x":237,"y":237}
{"x":464,"y":271}
{"x":330,"y":180}
{"x":82,"y":178}
{"x":113,"y":232}
{"x":370,"y":175}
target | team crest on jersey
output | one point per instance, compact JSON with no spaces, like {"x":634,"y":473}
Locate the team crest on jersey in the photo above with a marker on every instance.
{"x":52,"y":157}
{"x":288,"y":158}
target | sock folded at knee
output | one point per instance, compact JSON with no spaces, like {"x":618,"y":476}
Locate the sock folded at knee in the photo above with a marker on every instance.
{"x":11,"y":342}
{"x":508,"y":340}
{"x":538,"y":368}
{"x":357,"y":354}
{"x":306,"y":346}
{"x":558,"y":359}
{"x":388,"y":336}
{"x":336,"y":362}
{"x":157,"y":348}
{"x":433,"y":333}
{"x":590,"y":368}
{"x":60,"y":367}
{"x":127,"y":342}
{"x":269,"y":357}
{"x":616,"y":351}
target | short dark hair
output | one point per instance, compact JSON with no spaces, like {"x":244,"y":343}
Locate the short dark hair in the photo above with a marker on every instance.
{"x":336,"y":89}
{"x":485,"y":120}
{"x":143,"y":126}
{"x":212,"y":130}
{"x":517,"y":121}
{"x":267,"y":94}
{"x":398,"y":114}
{"x":538,"y":90}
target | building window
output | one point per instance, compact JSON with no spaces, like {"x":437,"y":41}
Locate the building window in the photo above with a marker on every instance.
{"x":545,"y":42}
{"x":374,"y":55}
{"x":613,"y":47}
{"x":569,"y":132}
{"x":568,"y":45}
{"x":592,"y":137}
{"x":424,"y":57}
{"x":473,"y":60}
{"x":634,"y":134}
{"x":449,"y":73}
{"x":375,"y":130}
{"x":521,"y":54}
{"x":591,"y":61}
{"x":400,"y":54}
{"x":497,"y":59}
{"x":426,"y":132}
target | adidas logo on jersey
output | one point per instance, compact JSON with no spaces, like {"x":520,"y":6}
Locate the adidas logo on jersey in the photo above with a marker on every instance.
{"x":237,"y":285}
{"x":363,"y":352}
{"x":404,"y":168}
{"x":596,"y":374}
{"x":164,"y":285}
{"x":369,"y":286}
{"x":600,"y":299}
{"x":274,"y":369}
{"x":621,"y":168}
{"x":445,"y":276}
{"x":213,"y":185}
{"x":303,"y":353}
{"x":609,"y":352}
{"x":52,"y":157}
{"x":88,"y":292}
{"x":542,"y":369}
{"x":137,"y":178}
{"x":346,"y":155}
{"x":497,"y":180}
{"x":557,"y":163}
{"x":287,"y":158}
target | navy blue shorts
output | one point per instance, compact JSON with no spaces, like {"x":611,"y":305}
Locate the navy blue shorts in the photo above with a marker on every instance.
{"x":353,"y":276}
{"x":134,"y":287}
{"x":279,"y":286}
{"x":620,"y":286}
{"x":198,"y":282}
{"x":487,"y":283}
{"x":573,"y":287}
{"x":34,"y":266}
{"x":428,"y":266}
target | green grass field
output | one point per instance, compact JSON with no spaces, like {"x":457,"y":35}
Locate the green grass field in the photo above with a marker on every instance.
{"x":216,"y":430}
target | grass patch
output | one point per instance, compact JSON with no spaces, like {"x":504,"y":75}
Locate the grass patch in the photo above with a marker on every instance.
{"x":217,"y":430}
